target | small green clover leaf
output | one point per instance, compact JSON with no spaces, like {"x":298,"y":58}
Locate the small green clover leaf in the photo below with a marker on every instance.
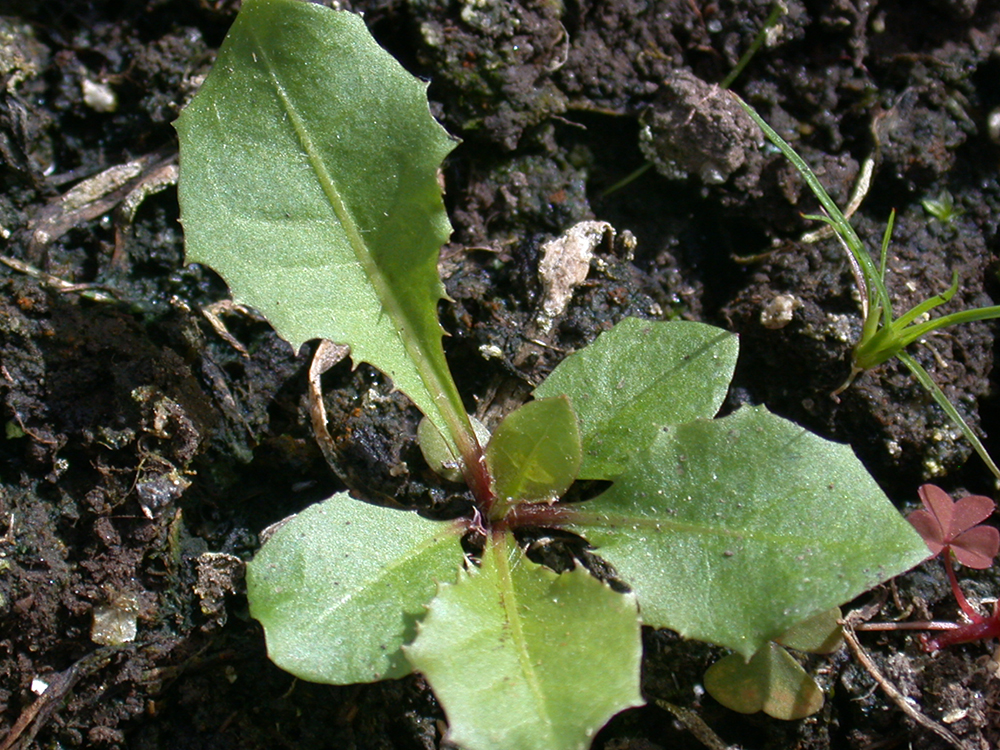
{"x":773,"y":681}
{"x":820,"y":634}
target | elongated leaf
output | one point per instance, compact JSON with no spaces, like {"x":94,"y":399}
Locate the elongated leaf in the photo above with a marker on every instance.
{"x":733,"y":530}
{"x":524,"y":659}
{"x":637,"y":378}
{"x":535,"y":453}
{"x":865,"y":272}
{"x":934,"y":389}
{"x":340,"y":586}
{"x":309,"y":181}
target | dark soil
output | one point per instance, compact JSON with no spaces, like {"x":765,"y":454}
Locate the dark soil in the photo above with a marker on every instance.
{"x":138,"y":439}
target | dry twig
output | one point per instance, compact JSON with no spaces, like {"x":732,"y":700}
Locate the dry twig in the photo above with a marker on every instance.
{"x":890,"y":690}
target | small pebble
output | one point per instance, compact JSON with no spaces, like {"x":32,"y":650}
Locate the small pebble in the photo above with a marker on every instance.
{"x":779,"y":311}
{"x":993,"y":125}
{"x":99,"y":96}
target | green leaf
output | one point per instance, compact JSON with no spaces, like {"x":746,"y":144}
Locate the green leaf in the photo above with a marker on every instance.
{"x":524,"y":659}
{"x":534,"y":455}
{"x":820,"y":634}
{"x":340,"y":586}
{"x":638,"y":377}
{"x":733,"y":530}
{"x":949,"y":408}
{"x":438,"y":452}
{"x":870,"y":283}
{"x":309,"y":165}
{"x":772,"y":682}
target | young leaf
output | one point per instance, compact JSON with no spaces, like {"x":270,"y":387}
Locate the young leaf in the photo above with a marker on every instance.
{"x":438,"y":451}
{"x":732,"y":530}
{"x":956,"y":525}
{"x":309,"y":164}
{"x":883,"y":338}
{"x":522,"y":658}
{"x":772,"y":682}
{"x":820,"y":634}
{"x":534,"y":455}
{"x":637,"y":378}
{"x":340,"y":586}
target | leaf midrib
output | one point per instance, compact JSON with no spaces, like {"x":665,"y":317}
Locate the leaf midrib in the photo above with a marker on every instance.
{"x":402,"y":327}
{"x":619,"y":525}
{"x":509,"y":603}
{"x":366,"y":586}
{"x":616,"y":416}
{"x":516,"y":487}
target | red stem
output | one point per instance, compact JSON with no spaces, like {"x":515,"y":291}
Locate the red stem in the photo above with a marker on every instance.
{"x":980,"y":628}
{"x":967,"y":608}
{"x":983,"y":628}
{"x":537,"y":514}
{"x":477,"y":476}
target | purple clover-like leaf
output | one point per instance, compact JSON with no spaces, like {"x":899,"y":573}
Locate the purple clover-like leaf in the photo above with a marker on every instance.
{"x":944,"y":523}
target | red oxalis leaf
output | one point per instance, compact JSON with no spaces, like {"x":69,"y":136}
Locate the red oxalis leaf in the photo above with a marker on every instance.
{"x":948,"y":524}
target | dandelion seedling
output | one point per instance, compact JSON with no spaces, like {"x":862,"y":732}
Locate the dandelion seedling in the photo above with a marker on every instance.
{"x":309,"y":180}
{"x":883,"y":336}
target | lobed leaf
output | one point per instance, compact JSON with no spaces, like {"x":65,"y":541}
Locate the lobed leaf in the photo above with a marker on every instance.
{"x":309,"y":164}
{"x":733,"y":530}
{"x":523,"y":658}
{"x":638,"y":377}
{"x":340,"y":586}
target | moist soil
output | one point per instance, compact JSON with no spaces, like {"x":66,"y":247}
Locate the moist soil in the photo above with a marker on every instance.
{"x":145,"y":449}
